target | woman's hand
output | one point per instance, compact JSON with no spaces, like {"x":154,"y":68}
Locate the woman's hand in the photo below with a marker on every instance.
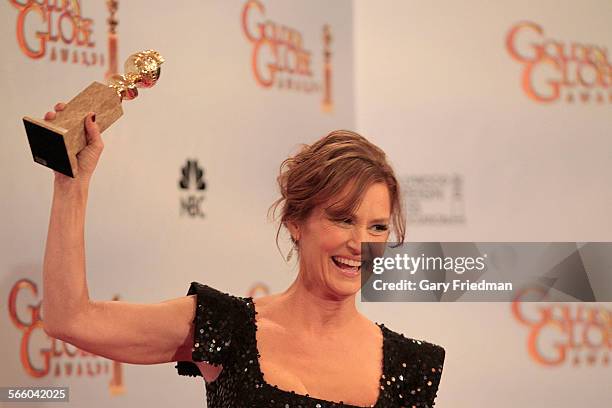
{"x":88,"y":157}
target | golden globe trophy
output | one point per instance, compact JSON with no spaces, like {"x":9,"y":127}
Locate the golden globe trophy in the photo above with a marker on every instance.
{"x":56,"y":143}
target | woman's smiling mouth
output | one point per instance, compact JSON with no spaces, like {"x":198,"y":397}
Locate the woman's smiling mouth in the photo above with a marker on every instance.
{"x":349,"y":267}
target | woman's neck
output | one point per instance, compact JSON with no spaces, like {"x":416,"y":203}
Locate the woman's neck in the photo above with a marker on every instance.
{"x":309,"y":309}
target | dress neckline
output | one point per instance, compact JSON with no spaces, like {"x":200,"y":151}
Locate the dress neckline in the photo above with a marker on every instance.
{"x":264,"y":383}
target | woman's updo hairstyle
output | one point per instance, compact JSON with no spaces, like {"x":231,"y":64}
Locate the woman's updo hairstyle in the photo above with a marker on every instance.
{"x":320,"y":172}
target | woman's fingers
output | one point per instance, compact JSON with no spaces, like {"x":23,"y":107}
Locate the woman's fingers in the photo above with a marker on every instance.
{"x":60,"y":106}
{"x":93,"y":131}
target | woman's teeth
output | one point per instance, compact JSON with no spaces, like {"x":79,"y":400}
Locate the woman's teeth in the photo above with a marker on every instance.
{"x":346,"y":263}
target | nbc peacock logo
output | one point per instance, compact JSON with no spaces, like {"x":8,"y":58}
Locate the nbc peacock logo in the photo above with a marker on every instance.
{"x":192,"y":184}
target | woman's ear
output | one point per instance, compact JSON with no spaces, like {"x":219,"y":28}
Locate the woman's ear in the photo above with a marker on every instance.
{"x":294,"y":230}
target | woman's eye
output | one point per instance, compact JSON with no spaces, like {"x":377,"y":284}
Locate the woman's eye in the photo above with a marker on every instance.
{"x":344,"y":220}
{"x":381,"y":227}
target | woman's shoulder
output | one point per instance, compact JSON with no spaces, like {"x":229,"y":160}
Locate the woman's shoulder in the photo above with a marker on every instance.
{"x":408,"y":345}
{"x":217,"y":303}
{"x":218,"y":308}
{"x":222,"y":328}
{"x":207,"y":292}
{"x":413,"y":368}
{"x":412,"y":355}
{"x":219,"y":318}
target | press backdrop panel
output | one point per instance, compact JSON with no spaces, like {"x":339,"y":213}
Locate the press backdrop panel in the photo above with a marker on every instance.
{"x":212,"y":120}
{"x":482,"y":158}
{"x":187,"y":175}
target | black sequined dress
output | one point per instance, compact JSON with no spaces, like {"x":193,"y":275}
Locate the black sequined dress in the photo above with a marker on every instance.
{"x":225,"y":329}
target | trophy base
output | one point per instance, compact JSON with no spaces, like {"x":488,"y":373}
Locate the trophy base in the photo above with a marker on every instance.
{"x":55,"y":144}
{"x":48,"y":145}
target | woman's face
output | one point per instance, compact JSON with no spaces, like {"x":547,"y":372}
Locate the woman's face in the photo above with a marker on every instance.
{"x":330,"y":246}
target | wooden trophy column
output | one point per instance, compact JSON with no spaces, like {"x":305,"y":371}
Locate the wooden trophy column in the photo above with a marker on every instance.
{"x":56,"y":143}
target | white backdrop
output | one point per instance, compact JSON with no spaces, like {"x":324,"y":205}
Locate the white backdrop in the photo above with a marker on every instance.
{"x":437,"y":87}
{"x":433,"y":84}
{"x":207,"y":106}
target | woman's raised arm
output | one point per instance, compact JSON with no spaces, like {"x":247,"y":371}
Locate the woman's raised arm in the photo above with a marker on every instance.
{"x":122,"y":331}
{"x":131,"y":332}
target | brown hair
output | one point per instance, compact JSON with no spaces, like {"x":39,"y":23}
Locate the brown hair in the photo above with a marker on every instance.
{"x":319,"y":172}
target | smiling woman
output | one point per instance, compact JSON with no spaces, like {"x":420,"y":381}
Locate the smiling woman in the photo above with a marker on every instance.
{"x":307,"y":346}
{"x":291,"y":348}
{"x":335,"y":194}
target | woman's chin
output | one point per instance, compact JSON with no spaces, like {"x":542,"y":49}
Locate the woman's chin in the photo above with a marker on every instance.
{"x":346,"y":285}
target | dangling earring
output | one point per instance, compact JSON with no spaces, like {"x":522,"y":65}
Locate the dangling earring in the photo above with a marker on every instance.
{"x":290,"y":254}
{"x":293,"y":248}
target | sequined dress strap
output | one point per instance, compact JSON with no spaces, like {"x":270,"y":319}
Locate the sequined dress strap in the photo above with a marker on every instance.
{"x":219,"y":318}
{"x":413,"y":370}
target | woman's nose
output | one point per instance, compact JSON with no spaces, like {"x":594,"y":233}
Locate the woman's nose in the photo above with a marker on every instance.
{"x":358,"y":235}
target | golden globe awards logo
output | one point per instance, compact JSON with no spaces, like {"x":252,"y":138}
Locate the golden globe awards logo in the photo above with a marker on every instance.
{"x":578,"y":334}
{"x":43,"y":356}
{"x":56,"y":30}
{"x":279,"y":57}
{"x":556,"y":70}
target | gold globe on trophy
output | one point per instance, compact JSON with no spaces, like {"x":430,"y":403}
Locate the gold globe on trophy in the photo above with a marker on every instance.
{"x":55,"y":144}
